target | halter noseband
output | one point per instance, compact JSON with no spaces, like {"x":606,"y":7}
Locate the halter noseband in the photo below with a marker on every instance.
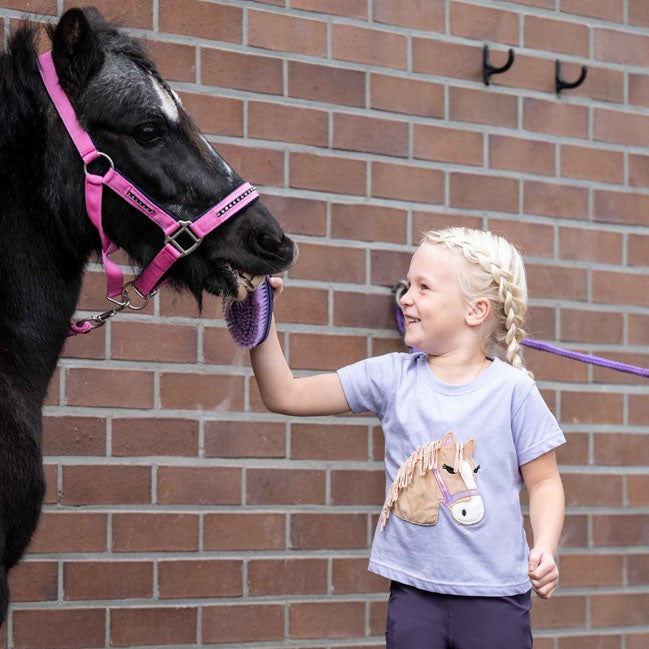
{"x":192,"y":232}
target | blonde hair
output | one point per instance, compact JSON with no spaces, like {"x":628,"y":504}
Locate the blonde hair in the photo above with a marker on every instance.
{"x":495,"y":270}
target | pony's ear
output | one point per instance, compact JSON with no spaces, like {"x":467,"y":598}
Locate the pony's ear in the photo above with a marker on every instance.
{"x":76,"y":52}
{"x":469,"y":447}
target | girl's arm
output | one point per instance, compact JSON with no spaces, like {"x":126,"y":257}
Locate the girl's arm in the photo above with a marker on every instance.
{"x":546,"y":515}
{"x":281,"y":392}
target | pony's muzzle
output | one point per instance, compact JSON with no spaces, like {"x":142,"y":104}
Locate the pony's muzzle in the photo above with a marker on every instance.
{"x":468,"y":512}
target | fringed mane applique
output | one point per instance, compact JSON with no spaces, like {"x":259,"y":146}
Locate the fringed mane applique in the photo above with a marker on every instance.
{"x":441,"y":472}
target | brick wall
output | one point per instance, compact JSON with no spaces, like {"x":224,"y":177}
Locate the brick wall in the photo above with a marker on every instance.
{"x":180,"y":513}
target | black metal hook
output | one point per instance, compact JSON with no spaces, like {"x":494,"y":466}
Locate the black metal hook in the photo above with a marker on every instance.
{"x":561,"y":84}
{"x":488,"y":69}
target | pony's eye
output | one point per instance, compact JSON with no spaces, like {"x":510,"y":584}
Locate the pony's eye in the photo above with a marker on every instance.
{"x":477,"y":469}
{"x":147,"y":133}
{"x":450,"y":469}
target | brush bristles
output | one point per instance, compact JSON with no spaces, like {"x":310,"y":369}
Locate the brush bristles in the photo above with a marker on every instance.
{"x":248,"y":320}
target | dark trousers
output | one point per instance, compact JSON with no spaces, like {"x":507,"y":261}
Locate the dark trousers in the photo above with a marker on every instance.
{"x":418,"y":619}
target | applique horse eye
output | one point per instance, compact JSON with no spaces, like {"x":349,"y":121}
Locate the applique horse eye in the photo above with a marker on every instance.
{"x":442,"y":472}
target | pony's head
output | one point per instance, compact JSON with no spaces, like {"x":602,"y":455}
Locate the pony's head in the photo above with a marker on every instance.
{"x":458,"y":470}
{"x":135,"y":118}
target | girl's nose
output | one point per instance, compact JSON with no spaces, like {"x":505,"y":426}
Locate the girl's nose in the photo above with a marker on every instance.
{"x":405,"y":298}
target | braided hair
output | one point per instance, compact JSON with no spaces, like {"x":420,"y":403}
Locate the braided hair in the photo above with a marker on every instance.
{"x":495,"y":270}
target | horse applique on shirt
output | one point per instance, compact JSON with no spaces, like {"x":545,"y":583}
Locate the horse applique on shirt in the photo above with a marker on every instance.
{"x":441,"y":472}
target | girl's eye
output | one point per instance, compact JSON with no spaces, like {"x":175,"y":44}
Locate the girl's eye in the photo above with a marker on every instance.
{"x":477,"y":469}
{"x":450,"y":469}
{"x":147,"y":133}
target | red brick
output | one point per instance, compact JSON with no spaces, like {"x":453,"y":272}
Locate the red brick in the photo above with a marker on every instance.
{"x":287,"y":577}
{"x":557,"y":36}
{"x":560,"y":611}
{"x":139,"y":15}
{"x":244,"y":439}
{"x":93,"y":346}
{"x":199,"y":485}
{"x":636,"y":640}
{"x":327,"y":173}
{"x":550,"y":367}
{"x":408,"y":183}
{"x":298,"y":215}
{"x":34,"y":6}
{"x":638,"y":491}
{"x":592,"y":326}
{"x":268,"y":121}
{"x":88,"y":580}
{"x":479,"y":192}
{"x":518,"y":154}
{"x":106,"y":485}
{"x":541,"y":322}
{"x":448,"y":145}
{"x":404,"y":95}
{"x":110,"y":388}
{"x":619,"y":609}
{"x":215,"y":115}
{"x":576,"y":451}
{"x":575,"y":532}
{"x":596,"y":490}
{"x":326,"y":84}
{"x":638,"y":409}
{"x":533,"y":239}
{"x":484,"y":23}
{"x":59,"y":629}
{"x":140,"y":532}
{"x":303,"y":305}
{"x":236,"y":531}
{"x":620,"y":288}
{"x":200,"y":578}
{"x":621,"y":128}
{"x":420,"y":14}
{"x":611,"y":10}
{"x":74,"y":435}
{"x":621,"y":47}
{"x":602,"y":83}
{"x":424,"y":221}
{"x":34,"y":581}
{"x":638,"y":329}
{"x":625,"y":449}
{"x":242,"y":71}
{"x":592,"y":164}
{"x":370,"y":135}
{"x":330,"y":531}
{"x":328,"y":442}
{"x":261,"y":166}
{"x":638,"y":250}
{"x":621,"y":529}
{"x":350,"y":575}
{"x":639,"y":89}
{"x":306,"y":351}
{"x":556,"y":119}
{"x":243,"y":623}
{"x":313,"y":619}
{"x":152,"y":626}
{"x":432,"y":56}
{"x":354,"y":487}
{"x":638,"y":170}
{"x":69,"y":532}
{"x":191,"y":391}
{"x":285,"y":486}
{"x":176,"y":61}
{"x":349,"y":8}
{"x":609,"y":375}
{"x":368,"y":223}
{"x":483,"y":107}
{"x":276,"y":31}
{"x":363,"y":310}
{"x":370,"y":46}
{"x":136,"y":437}
{"x":201,"y":19}
{"x":592,"y":408}
{"x":562,"y":201}
{"x":638,"y":13}
{"x":333,"y":263}
{"x":588,"y":642}
{"x":591,"y":245}
{"x":620,"y":207}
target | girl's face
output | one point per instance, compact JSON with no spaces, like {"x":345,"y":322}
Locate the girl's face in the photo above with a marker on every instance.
{"x":434,"y":307}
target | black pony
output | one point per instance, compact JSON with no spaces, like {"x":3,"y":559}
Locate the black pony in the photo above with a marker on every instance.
{"x":46,"y":238}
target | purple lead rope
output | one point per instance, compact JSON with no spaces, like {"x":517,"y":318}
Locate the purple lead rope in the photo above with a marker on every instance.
{"x":546,"y":347}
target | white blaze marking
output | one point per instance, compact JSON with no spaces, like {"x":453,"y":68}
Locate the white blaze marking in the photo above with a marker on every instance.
{"x":167,"y":104}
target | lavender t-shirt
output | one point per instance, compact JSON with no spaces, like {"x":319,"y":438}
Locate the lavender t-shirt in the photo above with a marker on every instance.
{"x":504,"y":413}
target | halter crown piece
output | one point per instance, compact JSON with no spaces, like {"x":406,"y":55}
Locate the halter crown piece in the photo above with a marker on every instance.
{"x":150,"y":279}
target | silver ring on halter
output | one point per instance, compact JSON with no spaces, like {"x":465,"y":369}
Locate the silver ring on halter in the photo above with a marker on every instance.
{"x":101,"y":155}
{"x":146,"y":298}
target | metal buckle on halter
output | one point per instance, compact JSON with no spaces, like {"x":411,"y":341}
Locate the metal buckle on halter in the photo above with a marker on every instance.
{"x":183,"y":229}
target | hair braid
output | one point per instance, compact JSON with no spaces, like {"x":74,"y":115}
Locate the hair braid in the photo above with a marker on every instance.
{"x":496,"y":271}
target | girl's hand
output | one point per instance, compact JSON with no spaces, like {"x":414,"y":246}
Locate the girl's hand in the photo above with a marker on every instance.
{"x":277,"y":284}
{"x":543,"y":572}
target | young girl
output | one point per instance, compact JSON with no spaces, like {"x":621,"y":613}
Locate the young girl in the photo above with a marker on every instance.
{"x":463,"y":432}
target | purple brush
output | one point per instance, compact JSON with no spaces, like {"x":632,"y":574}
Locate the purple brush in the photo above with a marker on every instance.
{"x":249,"y":319}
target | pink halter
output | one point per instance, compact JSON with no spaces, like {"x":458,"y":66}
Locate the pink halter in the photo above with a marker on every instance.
{"x":151,"y":277}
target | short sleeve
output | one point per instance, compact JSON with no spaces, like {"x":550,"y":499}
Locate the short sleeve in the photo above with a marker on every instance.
{"x":368,"y":383}
{"x":534,"y":427}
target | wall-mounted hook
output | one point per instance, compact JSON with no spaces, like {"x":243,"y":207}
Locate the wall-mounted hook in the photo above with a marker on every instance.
{"x":488,"y":69}
{"x":561,"y":84}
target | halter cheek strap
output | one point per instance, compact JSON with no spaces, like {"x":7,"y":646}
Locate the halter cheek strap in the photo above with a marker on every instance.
{"x":150,"y":279}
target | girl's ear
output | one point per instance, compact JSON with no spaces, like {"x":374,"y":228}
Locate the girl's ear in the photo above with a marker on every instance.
{"x":478,"y":311}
